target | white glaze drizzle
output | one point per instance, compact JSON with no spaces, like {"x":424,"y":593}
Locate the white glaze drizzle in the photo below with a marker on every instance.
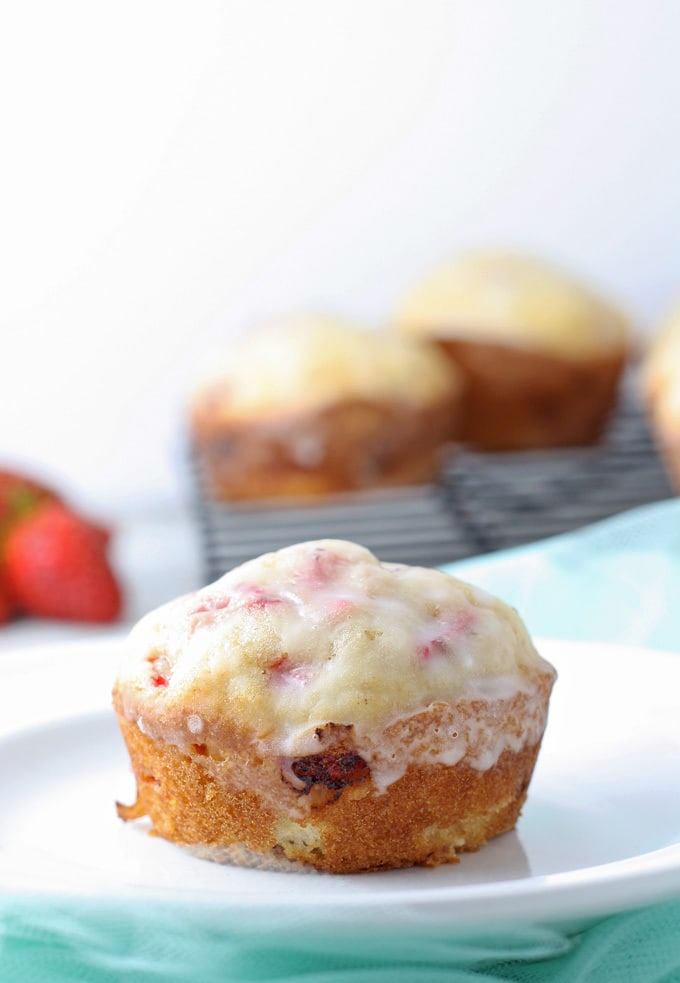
{"x":323,"y":633}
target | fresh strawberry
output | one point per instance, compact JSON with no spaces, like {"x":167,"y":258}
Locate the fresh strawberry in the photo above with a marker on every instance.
{"x":5,"y":607}
{"x":56,"y":567}
{"x":19,"y":496}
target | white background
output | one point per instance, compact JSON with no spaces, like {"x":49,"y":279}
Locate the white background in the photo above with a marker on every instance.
{"x":170,"y":173}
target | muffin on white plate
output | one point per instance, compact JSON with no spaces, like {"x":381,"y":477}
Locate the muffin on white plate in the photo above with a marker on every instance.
{"x":317,"y":706}
{"x":312,"y":406}
{"x":661,"y":392}
{"x":541,"y":355}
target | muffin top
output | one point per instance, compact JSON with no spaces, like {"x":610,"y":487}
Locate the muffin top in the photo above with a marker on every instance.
{"x":506,"y":298}
{"x":661,"y":371}
{"x":318,"y":633}
{"x":309,"y":361}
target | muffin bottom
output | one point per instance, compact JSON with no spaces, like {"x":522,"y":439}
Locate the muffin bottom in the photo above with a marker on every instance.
{"x":518,"y":399}
{"x":344,"y":448}
{"x":424,"y":818}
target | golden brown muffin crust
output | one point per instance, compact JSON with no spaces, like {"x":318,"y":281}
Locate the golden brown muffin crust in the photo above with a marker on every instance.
{"x":324,"y":809}
{"x":518,"y":399}
{"x":347,"y":447}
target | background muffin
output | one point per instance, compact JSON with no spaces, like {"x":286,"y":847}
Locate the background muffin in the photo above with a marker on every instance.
{"x":661,"y":392}
{"x":311,"y":406}
{"x":541,"y":355}
{"x":316,"y":705}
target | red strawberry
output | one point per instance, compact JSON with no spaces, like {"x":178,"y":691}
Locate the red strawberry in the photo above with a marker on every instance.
{"x":5,"y":607}
{"x":19,"y":495}
{"x":56,"y":567}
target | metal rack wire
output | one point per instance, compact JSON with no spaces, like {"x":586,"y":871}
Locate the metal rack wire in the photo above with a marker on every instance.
{"x":483,"y":502}
{"x":505,"y":500}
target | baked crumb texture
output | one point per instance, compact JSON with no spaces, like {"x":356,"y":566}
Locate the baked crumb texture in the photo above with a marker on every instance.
{"x":309,"y":406}
{"x":540,"y":354}
{"x":517,"y":399}
{"x":324,"y":810}
{"x":315,"y":705}
{"x":350,"y":446}
{"x":661,"y":392}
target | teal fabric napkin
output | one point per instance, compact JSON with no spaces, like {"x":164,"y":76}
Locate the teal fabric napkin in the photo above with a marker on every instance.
{"x":618,"y":580}
{"x":45,"y":940}
{"x":615,"y":581}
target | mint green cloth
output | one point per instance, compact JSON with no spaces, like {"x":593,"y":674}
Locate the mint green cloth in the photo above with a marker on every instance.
{"x":44,"y":940}
{"x":615,"y":581}
{"x":618,"y":580}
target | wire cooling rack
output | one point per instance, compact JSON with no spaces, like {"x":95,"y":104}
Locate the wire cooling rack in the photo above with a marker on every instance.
{"x":412,"y":525}
{"x":483,"y":502}
{"x":507,"y":499}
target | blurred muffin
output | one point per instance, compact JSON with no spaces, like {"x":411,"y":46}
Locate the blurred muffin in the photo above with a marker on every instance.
{"x":661,"y":392}
{"x":316,"y":705}
{"x":541,"y":356}
{"x":312,"y":406}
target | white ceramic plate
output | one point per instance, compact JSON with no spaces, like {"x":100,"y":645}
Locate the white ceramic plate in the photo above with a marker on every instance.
{"x":600,"y":831}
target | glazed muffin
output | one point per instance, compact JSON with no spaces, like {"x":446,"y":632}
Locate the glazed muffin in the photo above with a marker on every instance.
{"x":661,"y":392}
{"x":319,"y":707}
{"x":314,"y":406}
{"x":541,"y":355}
